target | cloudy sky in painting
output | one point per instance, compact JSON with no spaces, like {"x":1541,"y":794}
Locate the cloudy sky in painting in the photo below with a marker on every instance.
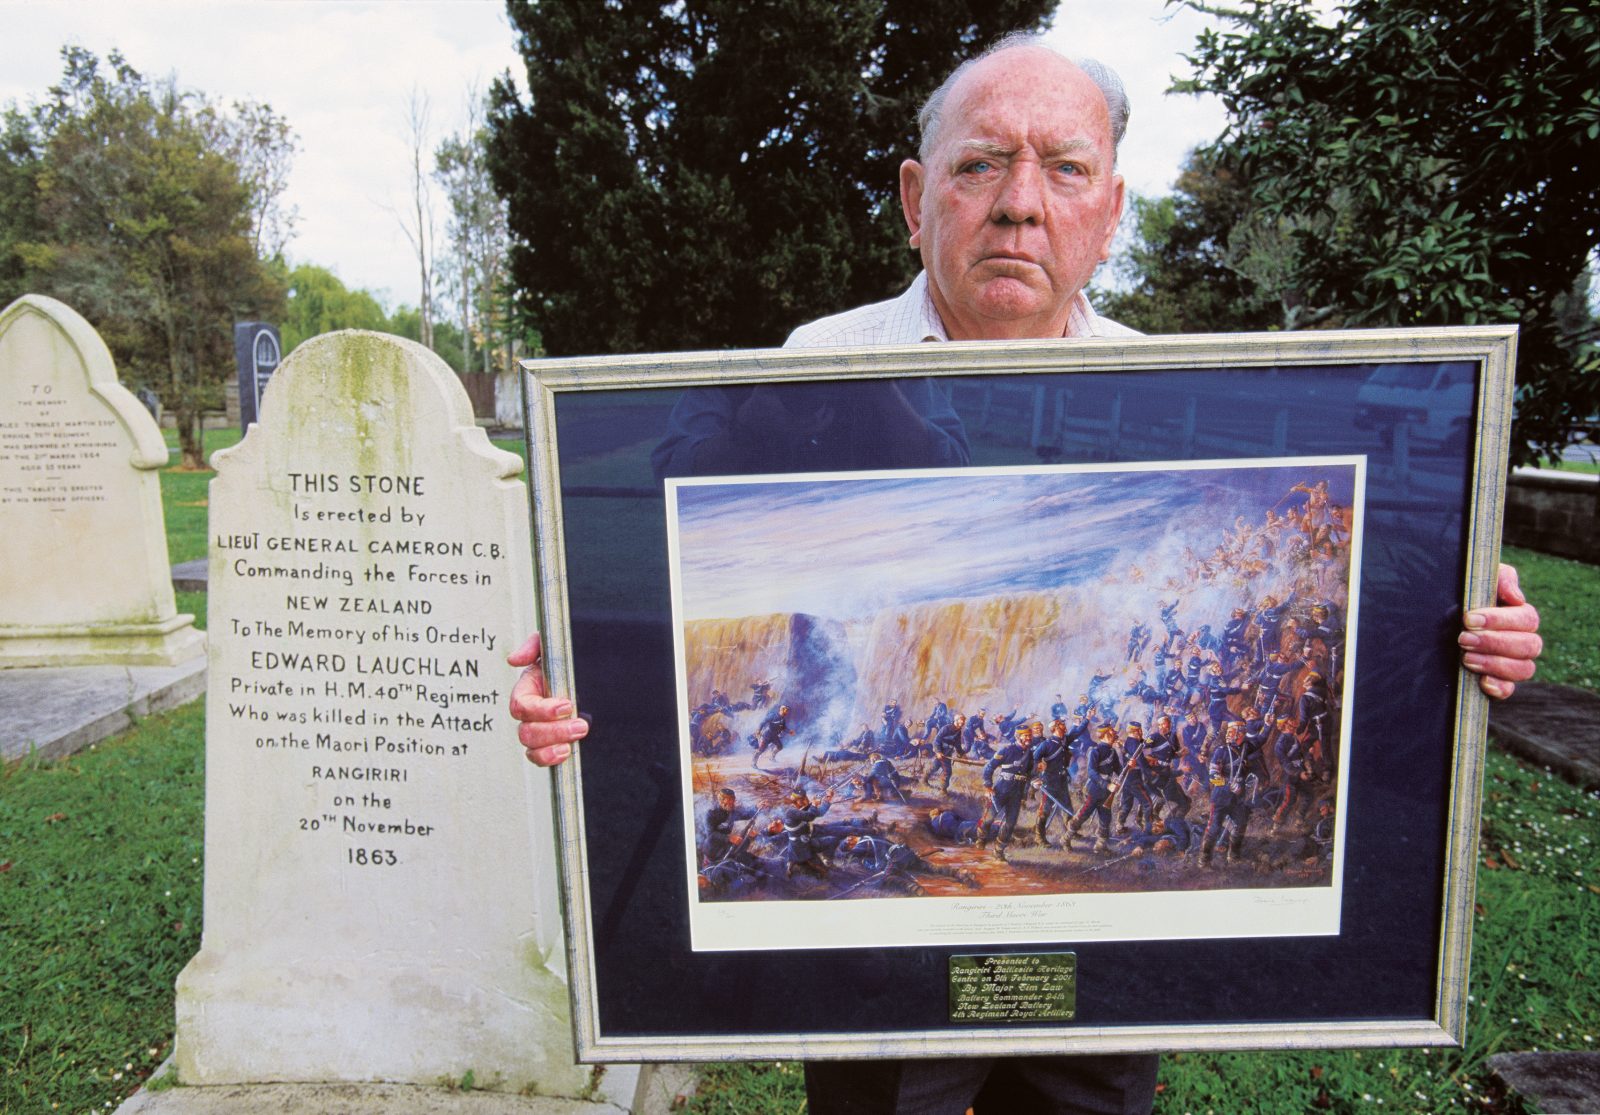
{"x":846,"y":548}
{"x":341,"y":70}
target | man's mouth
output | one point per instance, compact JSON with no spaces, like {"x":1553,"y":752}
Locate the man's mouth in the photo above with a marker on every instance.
{"x":1010,"y":259}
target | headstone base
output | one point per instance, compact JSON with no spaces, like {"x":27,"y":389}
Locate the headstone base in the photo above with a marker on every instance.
{"x":54,"y":712}
{"x":274,"y":1017}
{"x":636,"y":1089}
{"x":124,"y":644}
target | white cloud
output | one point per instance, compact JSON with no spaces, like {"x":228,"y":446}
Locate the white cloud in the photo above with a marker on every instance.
{"x":339,"y":72}
{"x":1143,"y":40}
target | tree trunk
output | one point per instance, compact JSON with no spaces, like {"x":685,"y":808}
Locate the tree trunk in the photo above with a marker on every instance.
{"x":191,"y":436}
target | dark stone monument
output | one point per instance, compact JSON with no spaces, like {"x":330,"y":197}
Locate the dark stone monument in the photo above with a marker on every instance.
{"x":257,"y":350}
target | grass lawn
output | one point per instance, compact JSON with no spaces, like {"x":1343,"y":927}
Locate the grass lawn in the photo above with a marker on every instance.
{"x":100,"y":875}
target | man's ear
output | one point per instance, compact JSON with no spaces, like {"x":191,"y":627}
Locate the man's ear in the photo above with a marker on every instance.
{"x":1119,"y":195}
{"x":911,"y":197}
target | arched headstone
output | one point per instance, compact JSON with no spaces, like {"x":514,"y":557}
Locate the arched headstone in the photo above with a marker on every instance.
{"x":380,"y":891}
{"x":84,"y":574}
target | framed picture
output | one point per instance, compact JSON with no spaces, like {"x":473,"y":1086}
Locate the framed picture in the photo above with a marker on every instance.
{"x":1020,"y":697}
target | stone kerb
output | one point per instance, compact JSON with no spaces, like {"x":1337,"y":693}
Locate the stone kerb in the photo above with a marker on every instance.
{"x":84,"y":550}
{"x":380,"y":885}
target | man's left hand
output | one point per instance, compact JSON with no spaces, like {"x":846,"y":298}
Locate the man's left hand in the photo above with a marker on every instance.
{"x":1500,"y":644}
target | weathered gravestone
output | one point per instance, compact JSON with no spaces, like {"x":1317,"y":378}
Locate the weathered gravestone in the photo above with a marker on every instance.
{"x":380,"y":884}
{"x":84,"y":576}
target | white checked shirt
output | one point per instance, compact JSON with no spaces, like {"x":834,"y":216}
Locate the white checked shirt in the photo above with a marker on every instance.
{"x":911,"y":319}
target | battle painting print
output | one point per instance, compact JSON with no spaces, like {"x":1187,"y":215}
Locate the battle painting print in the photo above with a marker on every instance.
{"x":1015,"y":705}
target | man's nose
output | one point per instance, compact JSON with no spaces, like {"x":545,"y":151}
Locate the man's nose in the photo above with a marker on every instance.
{"x":1021,"y":199}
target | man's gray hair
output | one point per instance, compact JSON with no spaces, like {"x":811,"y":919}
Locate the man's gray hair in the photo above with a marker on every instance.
{"x":1104,"y":77}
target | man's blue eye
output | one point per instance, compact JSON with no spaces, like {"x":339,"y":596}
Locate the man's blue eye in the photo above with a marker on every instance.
{"x":979,"y":167}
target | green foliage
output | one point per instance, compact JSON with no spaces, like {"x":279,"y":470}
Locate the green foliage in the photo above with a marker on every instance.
{"x":1195,"y":260}
{"x":1427,"y":164}
{"x":743,"y":1088}
{"x":141,"y":220}
{"x":704,"y":174}
{"x":19,"y":200}
{"x":318,"y":302}
{"x":99,"y":909}
{"x":406,"y":321}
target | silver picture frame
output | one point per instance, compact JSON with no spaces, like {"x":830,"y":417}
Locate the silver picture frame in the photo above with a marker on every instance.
{"x":1434,"y":449}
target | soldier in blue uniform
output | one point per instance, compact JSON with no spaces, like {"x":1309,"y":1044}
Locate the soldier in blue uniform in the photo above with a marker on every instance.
{"x":882,"y":781}
{"x":1009,"y":723}
{"x":1322,"y":629}
{"x":949,"y":825}
{"x":1269,"y":681}
{"x":946,"y":746}
{"x":1258,"y":734}
{"x":1169,"y":834}
{"x":797,"y":823}
{"x":723,"y":822}
{"x":975,"y":736}
{"x":1293,"y":771}
{"x":1316,"y":719}
{"x":1051,"y":755}
{"x":1138,"y":636}
{"x":1216,"y":694}
{"x":1102,"y":764}
{"x":892,"y":864}
{"x":773,"y":729}
{"x":1006,"y":775}
{"x":1235,"y":640}
{"x":1231,"y":795}
{"x":1317,"y":844}
{"x":1169,"y":621}
{"x":898,"y":741}
{"x":1162,"y":753}
{"x":1096,"y":681}
{"x":1192,"y":763}
{"x":1135,"y":789}
{"x":938,"y":718}
{"x":1269,"y":620}
{"x":1192,"y":667}
{"x":1059,"y":710}
{"x":891,"y":721}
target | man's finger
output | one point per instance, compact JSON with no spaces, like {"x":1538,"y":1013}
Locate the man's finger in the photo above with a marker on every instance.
{"x":549,"y":756}
{"x":1505,"y":644}
{"x":1497,"y":666}
{"x":1507,"y":589}
{"x":529,"y":700}
{"x":1496,"y":688}
{"x":1520,"y":617}
{"x":527,"y":654}
{"x":545,"y":734}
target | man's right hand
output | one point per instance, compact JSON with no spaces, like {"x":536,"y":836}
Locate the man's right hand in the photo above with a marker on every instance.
{"x":546,"y":729}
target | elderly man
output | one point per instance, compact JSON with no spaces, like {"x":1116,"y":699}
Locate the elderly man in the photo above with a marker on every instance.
{"x":1012,"y":204}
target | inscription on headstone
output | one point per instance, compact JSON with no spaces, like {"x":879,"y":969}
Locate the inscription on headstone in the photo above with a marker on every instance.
{"x":84,"y":550}
{"x":380,"y":896}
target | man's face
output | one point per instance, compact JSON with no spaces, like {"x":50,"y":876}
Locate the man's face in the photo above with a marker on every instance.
{"x":1018,"y":202}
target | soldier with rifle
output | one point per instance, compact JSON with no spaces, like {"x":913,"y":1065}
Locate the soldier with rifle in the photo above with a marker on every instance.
{"x":1232,"y":795}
